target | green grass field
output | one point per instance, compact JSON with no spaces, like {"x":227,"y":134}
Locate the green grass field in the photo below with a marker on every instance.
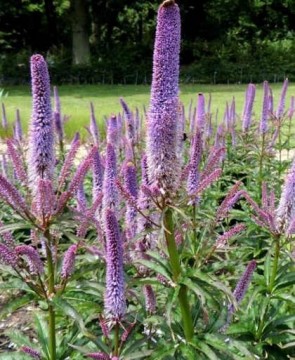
{"x":75,"y":100}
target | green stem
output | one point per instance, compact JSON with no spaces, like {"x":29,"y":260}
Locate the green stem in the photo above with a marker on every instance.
{"x":116,"y":339}
{"x":275,"y":263}
{"x":51,"y":290}
{"x":52,"y":335}
{"x":176,"y":271}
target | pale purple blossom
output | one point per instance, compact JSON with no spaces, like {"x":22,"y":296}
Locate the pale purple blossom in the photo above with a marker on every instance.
{"x":97,"y":174}
{"x":41,"y":142}
{"x":7,"y":255}
{"x":68,"y":263}
{"x":129,"y":173}
{"x":194,"y":163}
{"x":31,"y":352}
{"x":201,"y":113}
{"x":18,"y":131}
{"x":249,"y":101}
{"x":4,"y":118}
{"x":11,"y":195}
{"x":129,"y":121}
{"x":16,"y":161}
{"x":110,"y":195}
{"x":150,"y":299}
{"x":6,"y":236}
{"x":94,"y":131}
{"x":115,"y":305}
{"x":162,"y":125}
{"x":222,"y":240}
{"x":44,"y":199}
{"x":32,"y":256}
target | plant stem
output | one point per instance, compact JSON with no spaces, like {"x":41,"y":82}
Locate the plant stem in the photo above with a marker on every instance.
{"x":176,"y":270}
{"x":261,"y":164}
{"x":275,"y":263}
{"x":51,"y":290}
{"x":116,"y":339}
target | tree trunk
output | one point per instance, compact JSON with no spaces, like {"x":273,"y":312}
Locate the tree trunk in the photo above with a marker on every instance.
{"x":81,"y":50}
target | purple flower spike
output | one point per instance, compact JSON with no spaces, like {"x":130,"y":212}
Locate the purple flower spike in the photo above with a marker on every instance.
{"x":18,"y":133}
{"x":265,"y":108}
{"x":4,"y":167}
{"x":243,"y":284}
{"x":150,"y":299}
{"x":162,"y":137}
{"x":129,"y":124}
{"x":201,"y":112}
{"x":195,"y":158}
{"x":97,"y":175}
{"x":249,"y":101}
{"x":58,"y":121}
{"x":113,"y":131}
{"x":98,"y":356}
{"x":33,"y":258}
{"x":7,"y":255}
{"x":115,"y":305}
{"x":41,"y":143}
{"x":4,"y":118}
{"x":7,"y":237}
{"x":31,"y":352}
{"x":286,"y":209}
{"x":11,"y":195}
{"x":17,"y":162}
{"x":223,"y":239}
{"x":81,"y":198}
{"x":68,"y":263}
{"x":131,"y":186}
{"x":45,"y":199}
{"x":281,"y":104}
{"x":110,"y":196}
{"x":93,"y":126}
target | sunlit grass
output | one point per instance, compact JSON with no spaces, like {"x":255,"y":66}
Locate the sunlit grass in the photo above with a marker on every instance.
{"x":75,"y":100}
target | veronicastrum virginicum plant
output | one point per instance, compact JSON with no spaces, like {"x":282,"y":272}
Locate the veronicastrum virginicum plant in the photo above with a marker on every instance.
{"x":157,"y":274}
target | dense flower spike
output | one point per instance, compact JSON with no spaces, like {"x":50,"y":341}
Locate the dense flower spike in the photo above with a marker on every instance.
{"x":45,"y":199}
{"x":65,"y":171}
{"x":93,"y":126}
{"x":207,"y":181}
{"x":110,"y":196}
{"x":113,"y":131}
{"x":33,"y":258}
{"x":150,"y":299}
{"x":31,"y":352}
{"x":129,"y":172}
{"x":6,"y":236}
{"x":162,"y":116}
{"x":98,"y":356}
{"x":265,"y":108}
{"x":18,"y":131}
{"x":194,"y":163}
{"x":281,"y":104}
{"x":81,"y":198}
{"x":11,"y":195}
{"x":115,"y":305}
{"x":249,"y":101}
{"x":41,"y":143}
{"x":17,"y":162}
{"x":7,"y":255}
{"x":97,"y":174}
{"x":228,"y":201}
{"x":129,"y":122}
{"x":286,"y":209}
{"x":4,"y":166}
{"x":223,"y":239}
{"x":243,"y":284}
{"x":68,"y":263}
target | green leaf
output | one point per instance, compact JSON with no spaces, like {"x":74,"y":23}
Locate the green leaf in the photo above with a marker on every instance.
{"x":42,"y":332}
{"x":14,"y":304}
{"x":139,"y":354}
{"x":158,"y":269}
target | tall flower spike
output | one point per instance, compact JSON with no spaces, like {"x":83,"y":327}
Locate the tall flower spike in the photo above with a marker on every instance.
{"x":129,"y":172}
{"x":68,"y":263}
{"x":162,"y":117}
{"x":41,"y":142}
{"x":93,"y":126}
{"x":97,"y":174}
{"x":129,"y":121}
{"x":17,"y":162}
{"x":286,"y":209}
{"x":265,"y":108}
{"x":243,"y":284}
{"x":281,"y":104}
{"x":11,"y":195}
{"x":195,"y":158}
{"x":33,"y":258}
{"x":112,"y":131}
{"x":249,"y":101}
{"x":45,"y":199}
{"x":110,"y":195}
{"x":115,"y":305}
{"x":18,"y":133}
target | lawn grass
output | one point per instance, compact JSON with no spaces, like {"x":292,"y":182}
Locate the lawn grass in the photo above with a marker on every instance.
{"x":75,"y":100}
